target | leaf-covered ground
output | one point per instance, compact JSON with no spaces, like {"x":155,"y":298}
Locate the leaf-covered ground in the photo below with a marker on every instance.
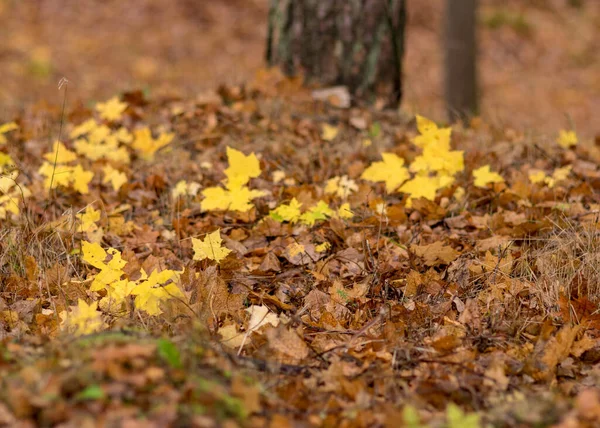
{"x":256,"y":257}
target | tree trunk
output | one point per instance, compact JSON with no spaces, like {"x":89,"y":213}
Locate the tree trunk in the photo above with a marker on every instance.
{"x":356,"y":43}
{"x":461,"y":57}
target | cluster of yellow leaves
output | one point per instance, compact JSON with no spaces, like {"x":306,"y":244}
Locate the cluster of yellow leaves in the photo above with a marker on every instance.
{"x":211,"y":248}
{"x":97,"y":141}
{"x":560,"y":174}
{"x":57,"y":172}
{"x":150,"y":291}
{"x":432,"y":170}
{"x":292,"y":212}
{"x":10,"y":191}
{"x":342,"y":186}
{"x":235,"y":195}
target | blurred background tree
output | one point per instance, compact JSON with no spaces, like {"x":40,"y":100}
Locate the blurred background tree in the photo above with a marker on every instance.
{"x":460,"y":48}
{"x":358,"y":44}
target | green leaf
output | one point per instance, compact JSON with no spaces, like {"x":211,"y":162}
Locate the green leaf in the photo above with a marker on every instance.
{"x":91,"y":392}
{"x":410,"y":417}
{"x":375,"y":130}
{"x":169,"y":352}
{"x":459,"y":419}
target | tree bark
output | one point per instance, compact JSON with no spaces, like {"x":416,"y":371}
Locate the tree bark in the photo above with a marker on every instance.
{"x":356,"y":43}
{"x":461,"y":59}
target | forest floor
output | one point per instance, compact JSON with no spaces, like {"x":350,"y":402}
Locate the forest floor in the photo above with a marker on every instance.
{"x":249,"y":256}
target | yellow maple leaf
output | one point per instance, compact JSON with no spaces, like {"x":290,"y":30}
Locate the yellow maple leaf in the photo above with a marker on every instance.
{"x":290,"y":212}
{"x":322,"y":247}
{"x":84,"y":128}
{"x":344,"y":211}
{"x":82,"y":319}
{"x":321,"y":211}
{"x":567,"y":139}
{"x":431,"y":135}
{"x":6,"y":162}
{"x":68,"y":176}
{"x":88,"y":218}
{"x":80,"y":179}
{"x":111,"y":109}
{"x":210,"y":247}
{"x":236,"y":199}
{"x":8,"y":205}
{"x":215,"y":198}
{"x":60,"y":154}
{"x":59,"y":175}
{"x":236,"y":196}
{"x":8,"y":180}
{"x":329,"y":132}
{"x":110,"y":271}
{"x":100,"y":134}
{"x":119,"y":155}
{"x":240,"y":198}
{"x":434,"y":159}
{"x":537,"y":176}
{"x":483,"y":176}
{"x":156,"y":289}
{"x":113,"y":176}
{"x":241,"y":167}
{"x":123,"y":135}
{"x":4,"y":128}
{"x":116,"y":295}
{"x":11,"y":194}
{"x":421,"y":187}
{"x":391,"y":170}
{"x":425,"y":126}
{"x":148,"y":146}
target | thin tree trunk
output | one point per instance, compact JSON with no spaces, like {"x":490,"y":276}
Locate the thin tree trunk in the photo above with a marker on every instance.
{"x":461,"y":59}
